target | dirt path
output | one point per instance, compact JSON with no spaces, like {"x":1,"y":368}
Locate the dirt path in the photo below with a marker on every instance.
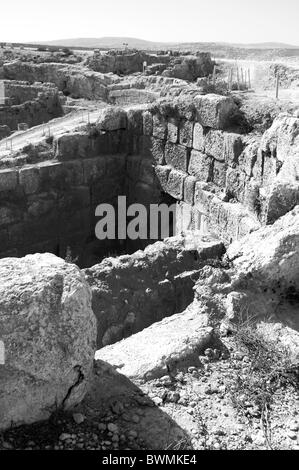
{"x":55,"y":127}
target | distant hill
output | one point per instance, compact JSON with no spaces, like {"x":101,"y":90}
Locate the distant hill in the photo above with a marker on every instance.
{"x":106,"y":42}
{"x":118,"y":42}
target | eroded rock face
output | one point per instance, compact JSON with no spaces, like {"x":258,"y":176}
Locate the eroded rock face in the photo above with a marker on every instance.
{"x":259,"y":283}
{"x":48,"y":330}
{"x":130,"y":293}
{"x":172,"y":343}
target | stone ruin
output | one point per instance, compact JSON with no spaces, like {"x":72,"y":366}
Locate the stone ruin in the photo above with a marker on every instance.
{"x":237,"y":197}
{"x":27,"y":103}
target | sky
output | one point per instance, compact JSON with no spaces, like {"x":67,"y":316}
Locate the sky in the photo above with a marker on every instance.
{"x":241,"y":21}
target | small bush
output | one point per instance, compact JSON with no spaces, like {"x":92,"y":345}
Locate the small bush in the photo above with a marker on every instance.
{"x":268,"y":369}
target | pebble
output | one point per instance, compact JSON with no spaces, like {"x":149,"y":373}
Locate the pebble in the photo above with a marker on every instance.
{"x":64,"y":436}
{"x":102,"y":427}
{"x":294,"y":427}
{"x":157,"y":400}
{"x":79,"y":418}
{"x":173,"y":397}
{"x":7,"y":445}
{"x":117,"y":408}
{"x":292,"y":435}
{"x":135,"y":419}
{"x":112,"y":428}
{"x":165,"y":380}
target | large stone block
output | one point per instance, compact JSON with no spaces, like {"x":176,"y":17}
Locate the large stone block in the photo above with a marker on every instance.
{"x":232,"y":147}
{"x":112,"y":119}
{"x":74,"y":173}
{"x":159,"y":126}
{"x":72,"y":146}
{"x":214,"y":145}
{"x":115,"y":165}
{"x":200,"y":166}
{"x":186,"y":133}
{"x":135,"y":121}
{"x":189,"y":188}
{"x":172,"y":131}
{"x":248,"y":158}
{"x":147,"y":123}
{"x":235,"y":184}
{"x":153,"y":148}
{"x":8,"y":180}
{"x":29,"y":179}
{"x":270,"y":169}
{"x":162,"y":173}
{"x":198,"y":137}
{"x":215,"y":111}
{"x":175,"y":184}
{"x":46,"y":320}
{"x":93,"y":169}
{"x":52,"y":175}
{"x":219,"y":173}
{"x":176,"y":156}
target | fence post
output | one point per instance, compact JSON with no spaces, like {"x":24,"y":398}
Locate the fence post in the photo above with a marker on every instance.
{"x":238,"y":78}
{"x":249,"y":80}
{"x":277,"y":85}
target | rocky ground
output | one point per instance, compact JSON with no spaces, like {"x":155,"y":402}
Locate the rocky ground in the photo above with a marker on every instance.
{"x":209,"y":407}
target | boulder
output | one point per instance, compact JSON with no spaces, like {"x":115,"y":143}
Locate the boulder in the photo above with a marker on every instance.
{"x":170,"y":345}
{"x":48,"y":331}
{"x":112,"y":119}
{"x":132,"y":292}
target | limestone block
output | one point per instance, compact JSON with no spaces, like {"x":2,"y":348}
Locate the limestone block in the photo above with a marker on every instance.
{"x":147,"y":123}
{"x":175,"y":184}
{"x":200,"y":166}
{"x":186,"y":133}
{"x":93,"y":169}
{"x":176,"y":156}
{"x":232,"y":148}
{"x":172,"y":131}
{"x":214,"y":111}
{"x":219,"y":173}
{"x":159,"y":126}
{"x":46,"y":320}
{"x":198,"y":137}
{"x":162,"y":173}
{"x":29,"y":179}
{"x":235,"y":183}
{"x":8,"y":180}
{"x":111,"y":119}
{"x":189,"y":189}
{"x":153,"y":148}
{"x":214,"y":145}
{"x":135,"y":121}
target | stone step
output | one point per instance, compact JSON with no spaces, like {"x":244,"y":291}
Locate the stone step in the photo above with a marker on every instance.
{"x":166,"y":346}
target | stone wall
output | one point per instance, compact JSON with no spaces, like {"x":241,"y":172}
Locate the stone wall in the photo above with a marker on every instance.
{"x":71,"y":79}
{"x":50,"y":205}
{"x":130,"y":293}
{"x":123,"y":63}
{"x":30,"y":104}
{"x":18,"y":92}
{"x":187,"y":67}
{"x":226,"y":184}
